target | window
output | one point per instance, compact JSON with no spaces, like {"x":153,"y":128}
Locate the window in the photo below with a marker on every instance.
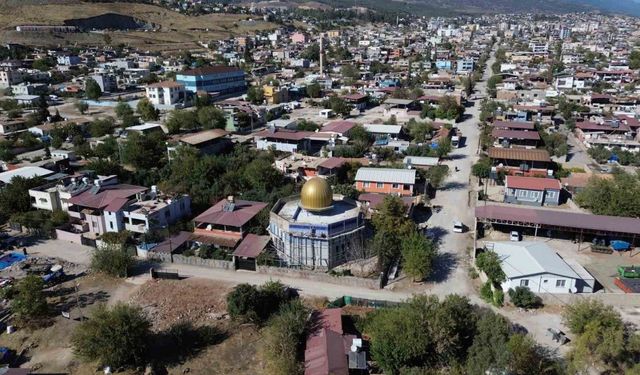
{"x":365,"y":184}
{"x":407,"y":187}
{"x":379,"y":185}
{"x":111,"y":224}
{"x":524,"y":283}
{"x":396,"y":186}
{"x":560,"y":283}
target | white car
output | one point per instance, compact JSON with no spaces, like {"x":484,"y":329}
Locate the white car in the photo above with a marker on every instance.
{"x":514,"y":236}
{"x":458,"y":227}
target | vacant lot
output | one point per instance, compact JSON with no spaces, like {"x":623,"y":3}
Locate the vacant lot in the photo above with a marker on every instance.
{"x":173,"y":31}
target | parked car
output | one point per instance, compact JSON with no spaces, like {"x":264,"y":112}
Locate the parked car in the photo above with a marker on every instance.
{"x":514,"y":236}
{"x":458,"y":227}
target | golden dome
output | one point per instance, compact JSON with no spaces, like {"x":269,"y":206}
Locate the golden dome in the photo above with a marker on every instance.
{"x":316,"y":195}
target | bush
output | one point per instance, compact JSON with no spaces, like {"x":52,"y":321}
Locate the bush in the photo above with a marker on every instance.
{"x":251,"y":304}
{"x":116,"y":337}
{"x":112,"y":260}
{"x":498,"y":297}
{"x":523,"y":297}
{"x":283,"y":338}
{"x":486,"y":293}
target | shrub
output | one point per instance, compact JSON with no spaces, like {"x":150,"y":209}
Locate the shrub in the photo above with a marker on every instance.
{"x":116,"y":337}
{"x":498,"y":297}
{"x":523,"y":297}
{"x":112,"y":260}
{"x":251,"y":304}
{"x":283,"y":338}
{"x":29,"y":302}
{"x":486,"y":293}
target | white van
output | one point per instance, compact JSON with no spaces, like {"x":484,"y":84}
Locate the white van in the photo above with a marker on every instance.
{"x":458,"y":227}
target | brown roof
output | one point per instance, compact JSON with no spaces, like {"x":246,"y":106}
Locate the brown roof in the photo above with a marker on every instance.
{"x":289,"y":135}
{"x":111,"y":197}
{"x":333,"y":162}
{"x":624,"y":225}
{"x":218,"y":69}
{"x":204,"y":136}
{"x":338,"y":126}
{"x":515,"y":134}
{"x":515,"y":125}
{"x":532,"y":183}
{"x":518,"y":154}
{"x":171,"y":244}
{"x":251,"y":246}
{"x":242,"y":213}
{"x":326,"y":347}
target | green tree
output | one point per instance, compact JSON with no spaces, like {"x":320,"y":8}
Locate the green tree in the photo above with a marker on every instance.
{"x":242,"y":303}
{"x":117,"y":336}
{"x":482,"y":169}
{"x":488,"y":353}
{"x":283,"y":337}
{"x":122,"y":110}
{"x":338,"y":105}
{"x":82,"y":106}
{"x":181,"y":120}
{"x":44,"y":65}
{"x":255,"y":95}
{"x":211,"y":118}
{"x":113,"y":260}
{"x":30,"y":304}
{"x":147,"y":111}
{"x":418,"y":254}
{"x":523,"y":297}
{"x":101,"y":127}
{"x":489,"y":262}
{"x":619,"y":196}
{"x":492,"y":83}
{"x":92,"y":90}
{"x":14,"y":197}
{"x":314,"y":90}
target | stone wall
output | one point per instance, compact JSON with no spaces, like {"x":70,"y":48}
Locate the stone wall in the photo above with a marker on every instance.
{"x":192,"y":261}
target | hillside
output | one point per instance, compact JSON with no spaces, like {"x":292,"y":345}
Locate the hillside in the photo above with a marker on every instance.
{"x":172,"y":30}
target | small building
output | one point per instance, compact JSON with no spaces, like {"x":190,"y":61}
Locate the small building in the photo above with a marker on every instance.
{"x":227,"y":222}
{"x":536,"y":266}
{"x":357,"y":100}
{"x":146,"y":128}
{"x":532,"y":191}
{"x":520,"y":161}
{"x":386,"y":180}
{"x":24,"y":172}
{"x":423,"y":162}
{"x":339,"y":127}
{"x":247,"y":252}
{"x":12,"y":126}
{"x":107,"y":82}
{"x":63,"y":154}
{"x":207,"y":142}
{"x":380,"y":130}
{"x":166,"y":94}
{"x":515,"y":138}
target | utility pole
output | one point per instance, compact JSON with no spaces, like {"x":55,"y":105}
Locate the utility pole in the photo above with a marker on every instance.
{"x":321,"y":51}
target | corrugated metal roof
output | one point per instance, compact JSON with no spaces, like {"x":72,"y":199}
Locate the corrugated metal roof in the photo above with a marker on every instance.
{"x":421,"y":160}
{"x":531,"y":258}
{"x":386,"y":129}
{"x":251,"y":246}
{"x":532,"y":183}
{"x":390,"y":175}
{"x":518,"y":154}
{"x":575,"y":220}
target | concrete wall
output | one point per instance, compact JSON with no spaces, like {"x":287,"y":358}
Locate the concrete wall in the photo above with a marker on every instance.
{"x":68,"y":236}
{"x":193,"y":261}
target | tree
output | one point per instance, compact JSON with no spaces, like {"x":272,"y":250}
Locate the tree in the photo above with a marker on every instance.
{"x":255,"y":95}
{"x":43,"y":65}
{"x":418,"y":255}
{"x":116,"y":336}
{"x":578,"y":315}
{"x":181,"y":120}
{"x":526,"y":357}
{"x":92,"y":90}
{"x":489,"y":262}
{"x":146,"y":110}
{"x":314,"y":90}
{"x":101,"y":127}
{"x":488,"y":353}
{"x":444,"y":147}
{"x":144,"y":151}
{"x":523,"y":297}
{"x":122,"y":110}
{"x":492,"y":83}
{"x":251,"y":304}
{"x":482,"y":169}
{"x":619,"y":196}
{"x":283,"y":338}
{"x":30,"y":303}
{"x":468,"y":85}
{"x":212,"y":118}
{"x":82,"y":106}
{"x":113,"y":260}
{"x":338,"y":105}
{"x":14,"y":197}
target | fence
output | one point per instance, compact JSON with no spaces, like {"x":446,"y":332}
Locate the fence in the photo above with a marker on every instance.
{"x":193,"y":261}
{"x":354,"y":301}
{"x":321,"y":277}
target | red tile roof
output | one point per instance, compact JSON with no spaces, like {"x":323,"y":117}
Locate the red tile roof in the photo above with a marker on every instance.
{"x":243,"y":212}
{"x":532,"y":183}
{"x":326,"y":348}
{"x":251,"y":246}
{"x":111,"y":197}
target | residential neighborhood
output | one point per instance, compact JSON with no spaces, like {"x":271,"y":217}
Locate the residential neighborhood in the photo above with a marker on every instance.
{"x":319,"y":188}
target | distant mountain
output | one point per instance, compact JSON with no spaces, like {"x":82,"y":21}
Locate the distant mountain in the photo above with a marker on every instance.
{"x":628,"y":7}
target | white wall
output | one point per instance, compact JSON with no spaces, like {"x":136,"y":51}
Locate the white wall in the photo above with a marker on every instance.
{"x":545,"y":283}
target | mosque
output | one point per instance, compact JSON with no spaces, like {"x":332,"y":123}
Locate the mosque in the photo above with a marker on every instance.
{"x":316,"y":229}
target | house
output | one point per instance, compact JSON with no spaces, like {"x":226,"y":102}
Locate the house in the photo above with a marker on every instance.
{"x":331,"y":351}
{"x":112,"y":208}
{"x":520,"y":161}
{"x":386,"y":180}
{"x":166,"y":94}
{"x":227,"y":222}
{"x":146,"y":128}
{"x":339,"y":127}
{"x":247,"y":252}
{"x":213,"y":79}
{"x":513,"y":125}
{"x":379,"y":130}
{"x":107,"y":82}
{"x":12,"y":126}
{"x":532,"y":191}
{"x":275,"y":94}
{"x":282,"y":140}
{"x":538,"y":267}
{"x":515,"y":138}
{"x":357,"y":100}
{"x":207,"y":142}
{"x":24,"y":172}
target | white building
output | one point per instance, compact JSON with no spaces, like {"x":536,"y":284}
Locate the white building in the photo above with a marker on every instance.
{"x":166,"y":94}
{"x":538,"y":267}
